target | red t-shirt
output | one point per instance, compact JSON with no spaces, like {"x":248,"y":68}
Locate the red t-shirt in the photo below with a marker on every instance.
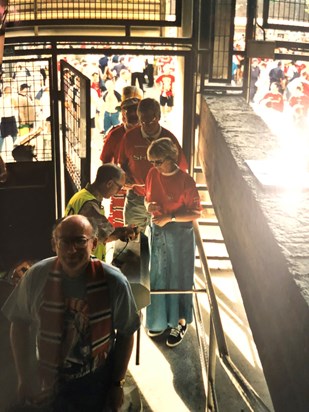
{"x":133,"y":156}
{"x":173,"y":193}
{"x":96,"y":87}
{"x":301,"y":101}
{"x":112,"y":143}
{"x":166,"y":81}
{"x":276,"y":101}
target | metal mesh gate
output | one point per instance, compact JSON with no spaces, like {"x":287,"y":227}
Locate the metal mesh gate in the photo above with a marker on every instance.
{"x":76,"y":127}
{"x":25,"y":109}
{"x":222,"y":43}
{"x":293,"y":14}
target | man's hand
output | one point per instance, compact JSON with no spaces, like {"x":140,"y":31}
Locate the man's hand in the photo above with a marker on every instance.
{"x":123,"y":233}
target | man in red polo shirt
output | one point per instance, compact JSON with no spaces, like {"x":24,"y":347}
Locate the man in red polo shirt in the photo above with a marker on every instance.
{"x":133,"y":159}
{"x":130,"y":98}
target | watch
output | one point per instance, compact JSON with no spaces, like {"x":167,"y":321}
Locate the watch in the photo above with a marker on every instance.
{"x":173,"y":217}
{"x":120,"y":384}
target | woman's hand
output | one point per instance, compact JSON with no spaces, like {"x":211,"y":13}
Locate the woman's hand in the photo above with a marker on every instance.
{"x":161,"y":220}
{"x":153,"y":207}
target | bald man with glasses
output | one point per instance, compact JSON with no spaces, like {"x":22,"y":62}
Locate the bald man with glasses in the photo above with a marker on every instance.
{"x":85,"y":315}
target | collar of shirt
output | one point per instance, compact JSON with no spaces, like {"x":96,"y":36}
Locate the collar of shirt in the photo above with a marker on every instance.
{"x":95,"y":193}
{"x":152,"y":137}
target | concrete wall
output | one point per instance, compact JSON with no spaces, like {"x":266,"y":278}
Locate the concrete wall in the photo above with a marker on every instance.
{"x":268,"y":246}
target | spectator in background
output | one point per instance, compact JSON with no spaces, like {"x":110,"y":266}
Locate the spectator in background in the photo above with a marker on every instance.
{"x":273,"y":99}
{"x":166,"y":83}
{"x":238,"y":65}
{"x":26,"y":110}
{"x":123,"y":80}
{"x":21,"y":75}
{"x":8,"y":127}
{"x":137,"y":66}
{"x":119,"y":66}
{"x":105,"y":72}
{"x":276,"y":75}
{"x":111,"y":99}
{"x":162,"y":61}
{"x":303,"y":80}
{"x":95,"y":83}
{"x":254,"y":76}
{"x":262,"y":83}
{"x":299,"y":102}
{"x":149,"y":70}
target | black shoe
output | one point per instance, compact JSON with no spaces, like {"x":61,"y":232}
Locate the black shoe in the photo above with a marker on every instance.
{"x":176,"y":336}
{"x":154,"y":333}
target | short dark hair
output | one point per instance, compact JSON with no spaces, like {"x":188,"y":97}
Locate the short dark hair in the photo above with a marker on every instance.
{"x":149,"y":104}
{"x":107,"y":172}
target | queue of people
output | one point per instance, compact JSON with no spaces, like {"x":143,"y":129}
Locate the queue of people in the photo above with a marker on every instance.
{"x":168,"y":208}
{"x":110,"y":74}
{"x":83,"y":308}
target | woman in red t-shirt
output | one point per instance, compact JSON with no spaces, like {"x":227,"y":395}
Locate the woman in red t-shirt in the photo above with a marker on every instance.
{"x":173,"y":200}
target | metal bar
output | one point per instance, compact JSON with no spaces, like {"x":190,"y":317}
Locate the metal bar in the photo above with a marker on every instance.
{"x":202,"y":344}
{"x":247,"y":392}
{"x":138,"y":345}
{"x":212,"y":366}
{"x":176,"y":291}
{"x":211,"y":293}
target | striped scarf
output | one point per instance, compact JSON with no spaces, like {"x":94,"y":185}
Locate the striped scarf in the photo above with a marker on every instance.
{"x":52,"y":313}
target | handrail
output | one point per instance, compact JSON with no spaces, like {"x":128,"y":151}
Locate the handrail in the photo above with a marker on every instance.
{"x":217,"y":338}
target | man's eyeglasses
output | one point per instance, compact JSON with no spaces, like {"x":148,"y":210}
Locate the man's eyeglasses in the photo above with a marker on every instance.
{"x":157,"y":162}
{"x":77,"y":242}
{"x":153,"y":121}
{"x":118,"y":185}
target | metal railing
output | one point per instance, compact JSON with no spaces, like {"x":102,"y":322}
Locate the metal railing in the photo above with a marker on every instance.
{"x":217,"y":342}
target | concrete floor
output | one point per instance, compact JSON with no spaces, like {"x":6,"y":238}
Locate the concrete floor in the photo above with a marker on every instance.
{"x":171,"y":379}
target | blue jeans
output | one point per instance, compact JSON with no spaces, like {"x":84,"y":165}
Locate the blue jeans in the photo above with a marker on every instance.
{"x":110,"y":119}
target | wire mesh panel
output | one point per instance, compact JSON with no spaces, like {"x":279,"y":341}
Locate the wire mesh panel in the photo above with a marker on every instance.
{"x":25,"y":111}
{"x":223,"y":33}
{"x":76,"y":126}
{"x":167,"y":11}
{"x":289,"y":13}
